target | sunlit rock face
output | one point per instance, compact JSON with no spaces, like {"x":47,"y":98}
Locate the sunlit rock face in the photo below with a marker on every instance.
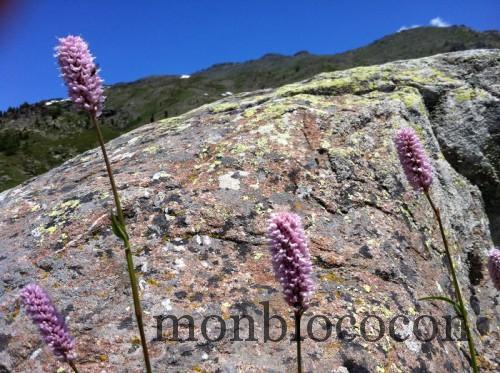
{"x":198,"y":190}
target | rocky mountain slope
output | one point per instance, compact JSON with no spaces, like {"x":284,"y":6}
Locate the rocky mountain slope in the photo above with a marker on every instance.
{"x":35,"y":138}
{"x":198,"y":189}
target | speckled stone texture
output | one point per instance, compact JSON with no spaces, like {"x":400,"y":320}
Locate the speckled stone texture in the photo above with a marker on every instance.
{"x":197,"y":192}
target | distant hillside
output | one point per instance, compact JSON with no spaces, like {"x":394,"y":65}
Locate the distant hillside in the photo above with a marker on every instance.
{"x":35,"y":138}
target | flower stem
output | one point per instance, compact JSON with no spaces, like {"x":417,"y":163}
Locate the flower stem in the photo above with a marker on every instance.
{"x":108,"y":168}
{"x":128,"y":253}
{"x":298,"y":316}
{"x":137,"y":304}
{"x":73,"y":366}
{"x":458,"y":293}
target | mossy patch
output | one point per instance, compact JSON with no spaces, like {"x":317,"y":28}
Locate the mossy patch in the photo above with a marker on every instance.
{"x":152,"y":149}
{"x":239,"y":148}
{"x":411,"y":98}
{"x":465,"y":94}
{"x":64,"y":208}
{"x":223,"y":107}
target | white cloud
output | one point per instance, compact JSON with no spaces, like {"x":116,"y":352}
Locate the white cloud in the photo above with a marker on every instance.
{"x":436,"y":22}
{"x":439,"y":22}
{"x":402,"y":28}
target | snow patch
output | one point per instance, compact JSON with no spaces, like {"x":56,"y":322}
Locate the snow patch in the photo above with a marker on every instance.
{"x":48,"y":103}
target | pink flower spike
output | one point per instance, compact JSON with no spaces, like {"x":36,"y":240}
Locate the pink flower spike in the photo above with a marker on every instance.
{"x":50,"y":323}
{"x":291,"y":259}
{"x":413,"y":159}
{"x":80,"y":74}
{"x":494,"y":267}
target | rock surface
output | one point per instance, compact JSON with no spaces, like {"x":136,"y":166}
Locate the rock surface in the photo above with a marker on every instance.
{"x":198,"y":189}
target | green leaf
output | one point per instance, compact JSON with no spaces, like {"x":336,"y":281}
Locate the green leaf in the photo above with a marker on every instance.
{"x":437,"y":297}
{"x":445,"y":299}
{"x":118,"y":228}
{"x":461,"y":312}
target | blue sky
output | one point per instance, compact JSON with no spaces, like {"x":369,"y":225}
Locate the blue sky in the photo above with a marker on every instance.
{"x":133,"y":39}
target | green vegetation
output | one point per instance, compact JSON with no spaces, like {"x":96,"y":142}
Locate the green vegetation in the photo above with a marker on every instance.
{"x":35,"y":138}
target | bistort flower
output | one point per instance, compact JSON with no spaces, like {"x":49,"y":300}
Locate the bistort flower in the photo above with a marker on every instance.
{"x":291,"y":259}
{"x":50,"y":323}
{"x":413,"y":159}
{"x":80,"y":74}
{"x":494,"y":267}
